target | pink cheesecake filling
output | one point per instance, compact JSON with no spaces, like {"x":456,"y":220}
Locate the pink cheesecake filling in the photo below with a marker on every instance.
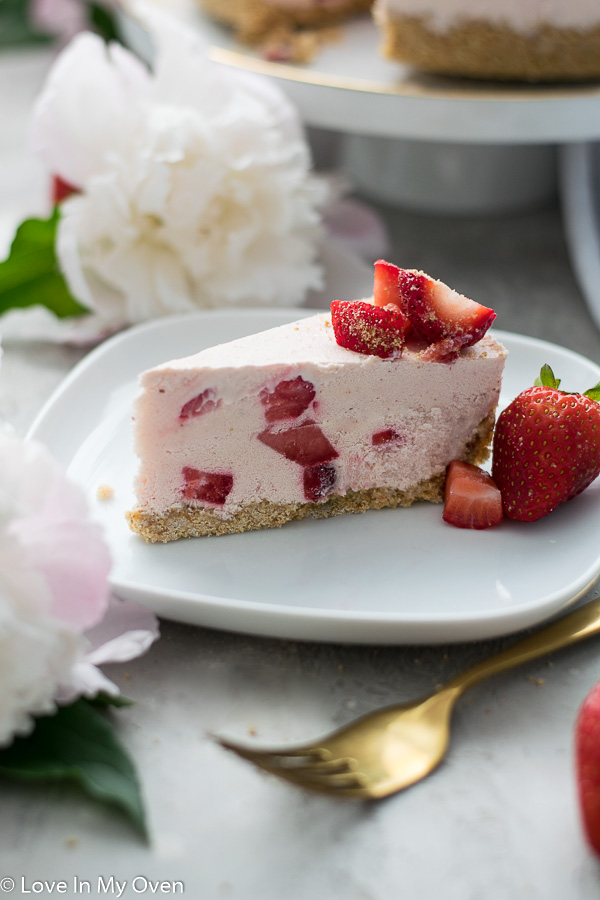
{"x":289,"y":416}
{"x":524,"y":17}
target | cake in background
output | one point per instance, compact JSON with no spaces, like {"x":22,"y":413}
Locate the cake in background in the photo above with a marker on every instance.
{"x":527,"y":40}
{"x":284,"y":30}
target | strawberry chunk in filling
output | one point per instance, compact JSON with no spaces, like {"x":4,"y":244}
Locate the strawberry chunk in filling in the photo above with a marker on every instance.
{"x":303,"y":444}
{"x":387,"y":438}
{"x":199,"y":405}
{"x":288,"y":400}
{"x":319,"y":481}
{"x":207,"y":487}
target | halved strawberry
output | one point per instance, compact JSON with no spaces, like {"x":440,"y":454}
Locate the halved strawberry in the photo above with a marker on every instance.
{"x":443,"y":317}
{"x":288,"y":400}
{"x":364,"y":328}
{"x":471,"y":498}
{"x":386,"y":284}
{"x":207,"y":487}
{"x":303,"y":444}
{"x":587,"y":764}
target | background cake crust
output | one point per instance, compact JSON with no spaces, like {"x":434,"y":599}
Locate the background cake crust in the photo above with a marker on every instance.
{"x":478,"y":49}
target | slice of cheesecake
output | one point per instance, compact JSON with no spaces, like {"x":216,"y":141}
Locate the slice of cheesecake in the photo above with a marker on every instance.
{"x":287,"y":423}
{"x":507,"y":40}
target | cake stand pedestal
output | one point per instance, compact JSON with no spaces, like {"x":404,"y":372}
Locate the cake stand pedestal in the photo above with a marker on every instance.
{"x":451,"y":178}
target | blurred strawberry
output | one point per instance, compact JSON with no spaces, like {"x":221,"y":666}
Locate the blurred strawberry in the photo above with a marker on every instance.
{"x":587,"y":761}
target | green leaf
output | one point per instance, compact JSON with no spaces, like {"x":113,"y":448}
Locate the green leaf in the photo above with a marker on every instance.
{"x":103,"y":22}
{"x":103,"y":700}
{"x":78,"y":744}
{"x":31,"y":276}
{"x":547,"y":378}
{"x":594,"y":392}
{"x":16,"y":27}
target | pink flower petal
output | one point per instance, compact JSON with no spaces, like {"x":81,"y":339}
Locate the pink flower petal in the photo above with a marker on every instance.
{"x":85,"y":681}
{"x":67,"y":549}
{"x":126,"y":632}
{"x":359,"y":227}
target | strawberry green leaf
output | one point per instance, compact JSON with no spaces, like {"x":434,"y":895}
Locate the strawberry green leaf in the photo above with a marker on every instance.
{"x":30,"y":276}
{"x":593,"y":393}
{"x":78,"y":745}
{"x":547,"y":378}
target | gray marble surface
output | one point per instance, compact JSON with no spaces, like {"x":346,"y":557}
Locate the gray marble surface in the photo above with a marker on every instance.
{"x":497,"y":820}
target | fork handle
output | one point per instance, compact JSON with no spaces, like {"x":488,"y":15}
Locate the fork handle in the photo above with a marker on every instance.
{"x":583,"y":622}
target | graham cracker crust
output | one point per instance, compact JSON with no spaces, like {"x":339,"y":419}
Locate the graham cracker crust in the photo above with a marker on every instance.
{"x":284,"y":35}
{"x":194,"y":521}
{"x":478,"y":49}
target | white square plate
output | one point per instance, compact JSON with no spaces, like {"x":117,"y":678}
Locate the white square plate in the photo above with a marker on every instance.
{"x":389,"y":576}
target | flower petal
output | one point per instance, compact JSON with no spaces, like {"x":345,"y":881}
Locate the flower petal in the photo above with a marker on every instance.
{"x":126,"y":631}
{"x":86,"y":111}
{"x":84,"y":680}
{"x":204,"y":198}
{"x":55,"y":536}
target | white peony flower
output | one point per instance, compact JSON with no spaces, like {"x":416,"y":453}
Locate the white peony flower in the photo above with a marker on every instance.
{"x":44,"y":605}
{"x":37,"y":651}
{"x":194,"y":181}
{"x":57,"y":619}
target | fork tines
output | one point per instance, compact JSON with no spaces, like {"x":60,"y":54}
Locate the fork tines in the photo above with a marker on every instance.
{"x":311,"y":767}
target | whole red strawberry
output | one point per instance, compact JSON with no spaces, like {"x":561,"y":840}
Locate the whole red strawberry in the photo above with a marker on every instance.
{"x":587,"y":763}
{"x":546,"y":448}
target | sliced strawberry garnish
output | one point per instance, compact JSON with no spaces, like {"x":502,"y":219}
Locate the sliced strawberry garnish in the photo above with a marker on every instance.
{"x":387,"y":437}
{"x":303,"y":444}
{"x":319,"y":481}
{"x":386,"y":284}
{"x":199,"y":405}
{"x":471,"y":498}
{"x":443,"y":317}
{"x":61,"y":189}
{"x":587,"y":761}
{"x":288,"y":400}
{"x":208,"y":487}
{"x":364,"y":328}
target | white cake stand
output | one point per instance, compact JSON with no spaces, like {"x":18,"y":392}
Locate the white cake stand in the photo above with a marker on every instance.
{"x":350,"y":88}
{"x":434,"y":143}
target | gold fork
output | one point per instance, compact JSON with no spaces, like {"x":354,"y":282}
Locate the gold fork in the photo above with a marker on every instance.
{"x":391,"y":748}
